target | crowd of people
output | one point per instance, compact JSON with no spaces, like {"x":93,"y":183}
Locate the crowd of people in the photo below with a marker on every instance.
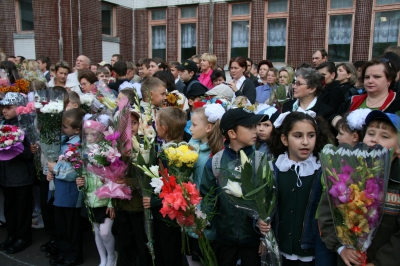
{"x":288,"y":113}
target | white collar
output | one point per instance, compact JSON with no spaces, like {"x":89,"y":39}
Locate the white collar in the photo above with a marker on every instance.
{"x":303,"y":168}
{"x":296,"y":106}
{"x":176,"y":80}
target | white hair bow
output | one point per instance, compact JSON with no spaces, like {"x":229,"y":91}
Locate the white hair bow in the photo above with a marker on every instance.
{"x":278,"y":122}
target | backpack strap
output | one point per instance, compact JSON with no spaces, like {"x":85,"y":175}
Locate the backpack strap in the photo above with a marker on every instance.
{"x":190,"y":85}
{"x":216,"y":163}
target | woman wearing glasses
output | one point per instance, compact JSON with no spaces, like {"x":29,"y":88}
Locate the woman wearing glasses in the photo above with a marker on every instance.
{"x":241,"y":85}
{"x":379,"y":78}
{"x":305,"y":92}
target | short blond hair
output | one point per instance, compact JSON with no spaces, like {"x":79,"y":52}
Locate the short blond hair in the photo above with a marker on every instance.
{"x":151,"y":84}
{"x":211,"y":58}
{"x":74,"y":97}
{"x":174,"y":119}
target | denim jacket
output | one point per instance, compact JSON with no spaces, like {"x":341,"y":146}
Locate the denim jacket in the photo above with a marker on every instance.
{"x":310,"y":223}
{"x":66,"y":193}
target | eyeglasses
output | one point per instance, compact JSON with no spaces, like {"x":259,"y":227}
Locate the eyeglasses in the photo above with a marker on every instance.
{"x":297,"y":83}
{"x":387,"y":61}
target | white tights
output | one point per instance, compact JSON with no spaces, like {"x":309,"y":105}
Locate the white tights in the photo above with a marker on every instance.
{"x":105,"y":242}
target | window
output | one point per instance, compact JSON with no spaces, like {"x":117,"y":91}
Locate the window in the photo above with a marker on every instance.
{"x":188,"y":32}
{"x":25,"y":12}
{"x":276,"y":20}
{"x":386,"y":26}
{"x":340,"y":30}
{"x":158,"y":33}
{"x":107,"y":19}
{"x":239,"y":30}
{"x":386,"y":31}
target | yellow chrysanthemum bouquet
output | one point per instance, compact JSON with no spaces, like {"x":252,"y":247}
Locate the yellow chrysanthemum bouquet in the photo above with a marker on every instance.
{"x":181,"y":159}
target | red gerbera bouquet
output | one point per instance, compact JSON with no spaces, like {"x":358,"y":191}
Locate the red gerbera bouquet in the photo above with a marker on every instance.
{"x":11,"y":138}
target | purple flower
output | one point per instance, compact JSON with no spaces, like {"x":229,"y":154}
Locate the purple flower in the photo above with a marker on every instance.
{"x":372,"y":189}
{"x":340,"y":191}
{"x":373,"y":214}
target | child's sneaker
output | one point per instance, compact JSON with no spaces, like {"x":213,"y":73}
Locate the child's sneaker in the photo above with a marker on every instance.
{"x":36,"y":213}
{"x":37,"y":222}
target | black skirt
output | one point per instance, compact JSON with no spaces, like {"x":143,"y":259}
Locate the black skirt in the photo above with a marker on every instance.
{"x":98,"y":214}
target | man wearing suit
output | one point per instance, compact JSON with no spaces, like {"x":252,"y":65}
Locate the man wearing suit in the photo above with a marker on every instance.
{"x":44,"y":66}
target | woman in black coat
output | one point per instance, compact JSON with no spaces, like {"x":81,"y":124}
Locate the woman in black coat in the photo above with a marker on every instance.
{"x":241,"y":85}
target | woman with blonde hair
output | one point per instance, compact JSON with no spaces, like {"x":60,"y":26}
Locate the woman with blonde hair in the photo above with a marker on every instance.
{"x":207,"y":64}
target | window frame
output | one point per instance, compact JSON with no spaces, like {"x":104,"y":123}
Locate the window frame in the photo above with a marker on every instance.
{"x":337,"y":12}
{"x":275,"y":15}
{"x":113,"y":20}
{"x":18,"y":19}
{"x":187,"y":21}
{"x":376,"y":9}
{"x":234,"y":18}
{"x":159,"y":22}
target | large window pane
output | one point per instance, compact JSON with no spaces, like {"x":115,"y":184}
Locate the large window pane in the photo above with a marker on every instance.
{"x":188,"y":12}
{"x":275,"y":6}
{"x":26,"y":15}
{"x":240,"y":9}
{"x":158,"y":14}
{"x":341,"y":3}
{"x":386,"y":2}
{"x":240,"y":38}
{"x":276,"y":40}
{"x":386,"y":31}
{"x":188,"y":40}
{"x":159,"y":41}
{"x":106,"y":19}
{"x":340,"y":38}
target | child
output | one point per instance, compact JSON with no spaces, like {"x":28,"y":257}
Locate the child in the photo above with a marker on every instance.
{"x":175,"y":72}
{"x":154,"y":93}
{"x":67,"y":198}
{"x":102,"y":209}
{"x":170,"y":122}
{"x":218,"y":77}
{"x":129,"y":222}
{"x":382,"y":129}
{"x":74,"y":100}
{"x":128,"y":93}
{"x":296,"y":141}
{"x":207,"y":136}
{"x":16,"y":178}
{"x":265,"y":128}
{"x":102,"y":73}
{"x":194,"y":95}
{"x":235,"y":234}
{"x":350,"y":128}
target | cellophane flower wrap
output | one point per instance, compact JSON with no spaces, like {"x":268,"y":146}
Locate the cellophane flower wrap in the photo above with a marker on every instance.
{"x":175,"y":99}
{"x":356,"y":181}
{"x":27,"y":121}
{"x":109,"y":158}
{"x":181,"y":158}
{"x":49,"y":106}
{"x":181,"y":202}
{"x":11,"y":138}
{"x":250,"y":186}
{"x":105,"y":95}
{"x":86,"y":101}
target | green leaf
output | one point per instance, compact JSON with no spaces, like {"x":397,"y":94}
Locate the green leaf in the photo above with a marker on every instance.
{"x":251,"y":193}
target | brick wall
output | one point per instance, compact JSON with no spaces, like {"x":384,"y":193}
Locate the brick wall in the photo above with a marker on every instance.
{"x":124,"y":32}
{"x":91,"y":30}
{"x":45,"y":22}
{"x":7,"y":26}
{"x":203,"y":27}
{"x":142,"y":34}
{"x":362,"y":30}
{"x":307,"y":26}
{"x":257,"y":32}
{"x":172,"y":34}
{"x":220,"y":41}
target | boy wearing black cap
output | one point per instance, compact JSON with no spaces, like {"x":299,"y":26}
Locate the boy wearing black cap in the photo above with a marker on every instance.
{"x":383,"y":129}
{"x":235,"y":233}
{"x":187,"y":72}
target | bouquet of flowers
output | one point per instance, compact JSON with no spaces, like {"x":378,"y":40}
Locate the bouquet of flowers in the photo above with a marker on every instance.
{"x":11,"y":138}
{"x":27,"y":121}
{"x":20,"y":85}
{"x":356,"y":181}
{"x":86,"y":101}
{"x":108,"y":158}
{"x":175,"y":99}
{"x":105,"y":95}
{"x":181,"y":159}
{"x":34,"y":75}
{"x":51,"y":104}
{"x":251,"y":187}
{"x":4,"y":81}
{"x":206,"y":100}
{"x":181,"y":202}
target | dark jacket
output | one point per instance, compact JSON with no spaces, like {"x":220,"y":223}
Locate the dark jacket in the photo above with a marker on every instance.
{"x":194,"y":88}
{"x":115,"y":85}
{"x":47,"y":76}
{"x":348,"y":90}
{"x":308,"y":236}
{"x":18,"y":171}
{"x":385,"y":246}
{"x":319,"y":108}
{"x":180,"y":86}
{"x":332,"y":96}
{"x":233,"y":226}
{"x":247,"y":89}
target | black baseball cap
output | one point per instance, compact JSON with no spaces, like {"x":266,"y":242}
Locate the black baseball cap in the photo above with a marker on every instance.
{"x":240,"y":117}
{"x":188,"y":65}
